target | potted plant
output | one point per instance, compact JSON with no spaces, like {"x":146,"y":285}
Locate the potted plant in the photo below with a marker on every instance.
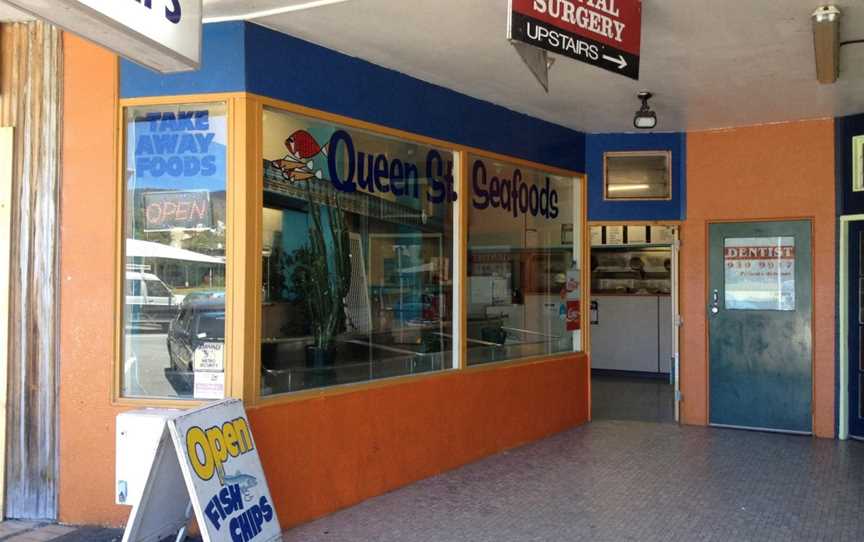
{"x":321,"y":276}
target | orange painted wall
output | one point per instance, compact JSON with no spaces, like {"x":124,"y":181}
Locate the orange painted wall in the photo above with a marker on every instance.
{"x":87,"y":286}
{"x":762,"y":172}
{"x":323,"y":455}
{"x":320,"y":454}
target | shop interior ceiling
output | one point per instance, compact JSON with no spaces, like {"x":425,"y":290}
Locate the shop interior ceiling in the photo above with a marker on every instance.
{"x":709,"y":64}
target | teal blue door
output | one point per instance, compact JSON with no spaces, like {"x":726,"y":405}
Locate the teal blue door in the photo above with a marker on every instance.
{"x":760,"y":325}
{"x":855,"y":343}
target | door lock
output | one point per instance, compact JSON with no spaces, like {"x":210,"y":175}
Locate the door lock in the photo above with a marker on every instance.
{"x":715,"y":301}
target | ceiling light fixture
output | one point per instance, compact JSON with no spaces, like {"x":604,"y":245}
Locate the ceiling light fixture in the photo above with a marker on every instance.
{"x":628,"y":187}
{"x":645,"y":118}
{"x":826,"y":42}
{"x":274,"y":11}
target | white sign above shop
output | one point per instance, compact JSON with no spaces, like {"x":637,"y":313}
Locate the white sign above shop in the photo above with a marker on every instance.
{"x":164,"y":35}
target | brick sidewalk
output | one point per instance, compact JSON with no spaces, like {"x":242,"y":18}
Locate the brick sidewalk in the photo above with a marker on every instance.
{"x":31,"y":531}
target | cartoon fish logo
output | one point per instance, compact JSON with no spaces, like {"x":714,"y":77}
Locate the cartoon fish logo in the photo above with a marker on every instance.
{"x":297,"y":165}
{"x":303,"y":146}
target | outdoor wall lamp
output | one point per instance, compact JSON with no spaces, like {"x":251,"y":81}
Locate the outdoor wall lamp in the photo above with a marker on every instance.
{"x":645,"y":119}
{"x":826,"y":41}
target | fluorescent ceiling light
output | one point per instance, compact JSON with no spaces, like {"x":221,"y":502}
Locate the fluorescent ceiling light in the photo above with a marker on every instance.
{"x":274,"y":11}
{"x":628,"y":187}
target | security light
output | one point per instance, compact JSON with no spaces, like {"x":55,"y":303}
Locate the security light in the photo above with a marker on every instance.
{"x":645,"y":119}
{"x":826,"y":41}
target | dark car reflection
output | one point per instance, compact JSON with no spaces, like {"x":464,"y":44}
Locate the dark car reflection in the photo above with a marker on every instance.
{"x":200,"y":320}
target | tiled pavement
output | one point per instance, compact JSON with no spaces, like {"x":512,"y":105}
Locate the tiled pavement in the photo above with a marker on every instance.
{"x":612,"y":480}
{"x":632,"y":398}
{"x":626,"y":481}
{"x":626,"y":477}
{"x":29,"y":531}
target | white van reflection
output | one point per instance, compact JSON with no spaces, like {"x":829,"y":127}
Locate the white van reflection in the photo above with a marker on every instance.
{"x":149,"y":302}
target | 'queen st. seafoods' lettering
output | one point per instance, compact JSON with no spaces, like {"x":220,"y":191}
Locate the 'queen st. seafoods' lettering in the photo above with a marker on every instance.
{"x":376,"y":173}
{"x":512,"y":195}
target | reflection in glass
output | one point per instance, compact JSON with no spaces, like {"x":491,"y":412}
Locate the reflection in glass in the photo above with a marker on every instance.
{"x":861,"y":279}
{"x":174,"y":220}
{"x":524,"y":274}
{"x":357,"y":256}
{"x":861,"y":396}
{"x":638,"y":175}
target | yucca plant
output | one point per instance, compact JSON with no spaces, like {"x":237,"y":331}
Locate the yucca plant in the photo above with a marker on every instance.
{"x":322,"y":269}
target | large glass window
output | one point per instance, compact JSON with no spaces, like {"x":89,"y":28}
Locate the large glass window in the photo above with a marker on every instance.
{"x":637,"y":175}
{"x":174,"y":223}
{"x":524,"y":240}
{"x":357,"y":255}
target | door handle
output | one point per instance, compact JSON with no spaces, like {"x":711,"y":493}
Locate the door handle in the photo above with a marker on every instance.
{"x":715,"y":302}
{"x":595,"y":313}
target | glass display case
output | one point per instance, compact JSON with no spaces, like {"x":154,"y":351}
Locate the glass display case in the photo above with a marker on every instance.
{"x":619,"y":270}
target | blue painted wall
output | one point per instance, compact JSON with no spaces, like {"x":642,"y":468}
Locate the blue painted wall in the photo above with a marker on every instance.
{"x":242,"y":56}
{"x":845,"y":128}
{"x":600,"y":210}
{"x":223,"y":68}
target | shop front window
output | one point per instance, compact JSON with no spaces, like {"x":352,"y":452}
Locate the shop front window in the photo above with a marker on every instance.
{"x":357,"y":256}
{"x":174,"y":271}
{"x":524,"y":242}
{"x":637,"y":175}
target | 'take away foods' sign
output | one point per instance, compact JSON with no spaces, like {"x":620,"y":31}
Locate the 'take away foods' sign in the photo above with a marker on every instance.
{"x":603,"y":33}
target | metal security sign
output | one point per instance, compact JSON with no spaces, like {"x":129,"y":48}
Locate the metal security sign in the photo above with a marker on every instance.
{"x":603,"y":33}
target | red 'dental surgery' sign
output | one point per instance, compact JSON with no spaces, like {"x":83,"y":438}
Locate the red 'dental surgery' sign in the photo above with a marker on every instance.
{"x":603,"y":33}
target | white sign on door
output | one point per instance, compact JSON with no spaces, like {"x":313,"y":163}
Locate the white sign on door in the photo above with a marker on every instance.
{"x":207,"y":462}
{"x":164,"y":35}
{"x":759,"y":273}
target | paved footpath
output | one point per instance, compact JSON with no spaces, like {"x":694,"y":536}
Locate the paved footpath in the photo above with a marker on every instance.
{"x":31,"y":531}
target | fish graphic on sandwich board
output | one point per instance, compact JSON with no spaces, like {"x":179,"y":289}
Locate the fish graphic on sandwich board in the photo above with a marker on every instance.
{"x":246,"y":483}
